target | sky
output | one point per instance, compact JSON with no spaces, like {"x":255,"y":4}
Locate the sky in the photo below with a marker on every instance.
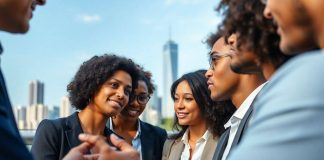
{"x":65,"y":33}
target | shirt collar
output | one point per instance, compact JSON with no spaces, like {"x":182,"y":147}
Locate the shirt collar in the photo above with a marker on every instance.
{"x":240,"y":112}
{"x":185,"y":138}
{"x":138,"y":133}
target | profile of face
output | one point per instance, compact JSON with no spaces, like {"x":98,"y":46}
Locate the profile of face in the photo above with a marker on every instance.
{"x":242,"y":61}
{"x":185,"y":106}
{"x":114,"y":94}
{"x":222,"y":81}
{"x":294,"y":25}
{"x":135,"y":108}
{"x":15,"y":14}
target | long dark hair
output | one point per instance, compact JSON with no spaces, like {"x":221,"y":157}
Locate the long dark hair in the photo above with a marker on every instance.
{"x":216,"y":114}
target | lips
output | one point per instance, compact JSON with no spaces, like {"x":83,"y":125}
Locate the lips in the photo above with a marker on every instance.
{"x":115,"y":103}
{"x":209,"y":83}
{"x":181,"y":115}
{"x":132,"y":112}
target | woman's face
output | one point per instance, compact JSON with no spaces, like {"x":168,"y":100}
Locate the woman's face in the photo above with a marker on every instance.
{"x":185,"y":106}
{"x":114,"y":94}
{"x":137,"y":106}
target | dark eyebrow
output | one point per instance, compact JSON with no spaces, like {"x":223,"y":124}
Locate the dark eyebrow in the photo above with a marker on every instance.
{"x":128,"y":86}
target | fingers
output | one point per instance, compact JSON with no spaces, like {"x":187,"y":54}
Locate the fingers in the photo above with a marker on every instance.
{"x":98,"y":142}
{"x":119,"y":143}
{"x":91,"y":157}
{"x":83,"y":148}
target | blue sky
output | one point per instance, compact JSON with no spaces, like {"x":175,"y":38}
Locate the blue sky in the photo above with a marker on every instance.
{"x":65,"y":33}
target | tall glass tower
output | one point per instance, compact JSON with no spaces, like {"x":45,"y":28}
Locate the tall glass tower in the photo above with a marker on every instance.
{"x":170,"y":74}
{"x":36,"y":92}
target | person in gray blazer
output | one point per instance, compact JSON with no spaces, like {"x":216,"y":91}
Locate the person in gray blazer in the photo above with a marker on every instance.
{"x":199,"y":119}
{"x":147,"y":139}
{"x":100,"y":89}
{"x":290,"y":108}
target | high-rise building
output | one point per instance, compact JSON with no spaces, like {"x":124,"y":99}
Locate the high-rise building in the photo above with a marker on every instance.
{"x":35,"y":114}
{"x":20,"y":114}
{"x":170,"y":74}
{"x":152,"y":114}
{"x":54,"y":112}
{"x":36,"y":92}
{"x":66,"y":108}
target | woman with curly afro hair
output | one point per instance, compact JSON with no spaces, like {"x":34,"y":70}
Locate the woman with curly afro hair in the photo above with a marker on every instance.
{"x":199,"y":119}
{"x":100,"y":89}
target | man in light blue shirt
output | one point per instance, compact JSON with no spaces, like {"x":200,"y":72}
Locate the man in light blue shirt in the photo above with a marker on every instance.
{"x":288,"y":117}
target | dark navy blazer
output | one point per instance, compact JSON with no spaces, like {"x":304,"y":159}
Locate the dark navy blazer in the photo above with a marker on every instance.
{"x":12,"y":146}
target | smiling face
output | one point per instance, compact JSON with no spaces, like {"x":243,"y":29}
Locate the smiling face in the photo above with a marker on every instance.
{"x":15,"y":14}
{"x":186,"y":107}
{"x":222,"y":81}
{"x":114,"y":94}
{"x":135,"y":109}
{"x":294,"y":25}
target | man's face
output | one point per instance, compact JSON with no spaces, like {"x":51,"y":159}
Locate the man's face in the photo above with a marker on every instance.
{"x":294,"y":25}
{"x":243,"y":61}
{"x":15,"y":14}
{"x":222,"y":81}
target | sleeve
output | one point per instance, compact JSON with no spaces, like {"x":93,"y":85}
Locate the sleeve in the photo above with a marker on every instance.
{"x":45,"y":144}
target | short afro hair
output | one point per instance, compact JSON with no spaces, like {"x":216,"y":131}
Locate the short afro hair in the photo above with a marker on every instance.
{"x":93,"y":73}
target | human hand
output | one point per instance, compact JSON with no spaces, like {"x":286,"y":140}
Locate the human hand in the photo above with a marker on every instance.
{"x":106,"y":152}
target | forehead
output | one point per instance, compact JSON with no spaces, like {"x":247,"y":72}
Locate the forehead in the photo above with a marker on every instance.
{"x":122,"y":77}
{"x":141,"y":86}
{"x":220,"y":46}
{"x":183,"y":87}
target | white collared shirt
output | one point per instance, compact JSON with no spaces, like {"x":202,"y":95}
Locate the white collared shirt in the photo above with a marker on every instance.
{"x":236,"y":118}
{"x":136,"y":142}
{"x":199,"y":148}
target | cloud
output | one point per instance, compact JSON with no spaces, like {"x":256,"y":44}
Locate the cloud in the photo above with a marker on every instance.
{"x":86,"y":18}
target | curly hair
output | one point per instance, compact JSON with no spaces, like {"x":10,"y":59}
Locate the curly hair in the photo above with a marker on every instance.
{"x":93,"y":73}
{"x":146,"y":76}
{"x":255,"y":32}
{"x":216,"y":114}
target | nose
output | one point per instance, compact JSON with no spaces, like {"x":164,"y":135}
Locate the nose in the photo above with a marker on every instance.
{"x":208,"y":73}
{"x":120,"y":93}
{"x":267,"y":12}
{"x":41,"y":2}
{"x":178,"y":105}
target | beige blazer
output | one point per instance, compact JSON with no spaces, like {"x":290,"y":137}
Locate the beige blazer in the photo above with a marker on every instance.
{"x":173,"y":148}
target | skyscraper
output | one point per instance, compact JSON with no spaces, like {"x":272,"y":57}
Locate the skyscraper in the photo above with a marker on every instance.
{"x":170,"y":74}
{"x":66,"y":108}
{"x":36,"y":92}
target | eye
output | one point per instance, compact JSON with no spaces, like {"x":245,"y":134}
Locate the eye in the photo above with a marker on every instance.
{"x":176,"y":99}
{"x":114,"y":85}
{"x":188,"y":99}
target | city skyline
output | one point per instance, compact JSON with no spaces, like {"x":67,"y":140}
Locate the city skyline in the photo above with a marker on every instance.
{"x":59,"y":41}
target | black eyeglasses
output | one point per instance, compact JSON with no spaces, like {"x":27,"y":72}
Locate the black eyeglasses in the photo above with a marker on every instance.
{"x":215,"y":57}
{"x":141,"y":99}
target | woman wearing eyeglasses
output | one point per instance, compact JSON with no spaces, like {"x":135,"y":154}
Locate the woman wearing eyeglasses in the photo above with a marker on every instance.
{"x":144,"y":137}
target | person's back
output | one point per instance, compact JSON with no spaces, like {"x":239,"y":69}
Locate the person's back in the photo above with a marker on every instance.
{"x":14,"y":18}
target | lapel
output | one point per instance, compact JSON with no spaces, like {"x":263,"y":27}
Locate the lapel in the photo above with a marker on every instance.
{"x":209,"y":148}
{"x":147,"y":142}
{"x":176,"y":149}
{"x":221,"y":144}
{"x":72,"y":129}
{"x":243,"y":125}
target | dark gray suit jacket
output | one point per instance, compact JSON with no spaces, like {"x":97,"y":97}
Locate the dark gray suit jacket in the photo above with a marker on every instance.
{"x":55,"y":138}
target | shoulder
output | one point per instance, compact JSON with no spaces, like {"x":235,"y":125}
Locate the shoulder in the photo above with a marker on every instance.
{"x":146,"y":127}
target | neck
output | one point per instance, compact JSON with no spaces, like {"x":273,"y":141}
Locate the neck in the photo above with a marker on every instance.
{"x":124,"y":124}
{"x":197,"y":131}
{"x":92,"y":122}
{"x":268,"y":69}
{"x":248,"y":83}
